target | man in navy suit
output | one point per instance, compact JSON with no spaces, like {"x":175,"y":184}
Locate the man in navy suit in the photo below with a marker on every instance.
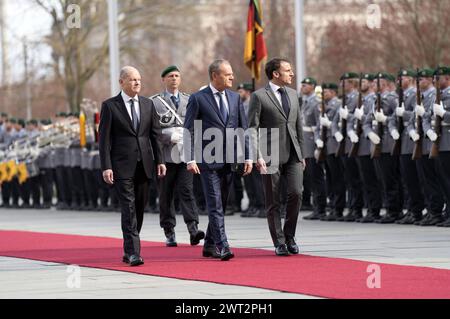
{"x":220,"y":112}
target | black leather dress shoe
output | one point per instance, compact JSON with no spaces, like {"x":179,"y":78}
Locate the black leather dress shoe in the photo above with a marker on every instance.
{"x":126,"y":259}
{"x":314,"y":216}
{"x":136,"y":260}
{"x":281,"y":250}
{"x":409,"y":219}
{"x":195,"y":238}
{"x":210,"y":252}
{"x":432,"y":220}
{"x":226,"y":254}
{"x":292,"y":247}
{"x":170,"y":238}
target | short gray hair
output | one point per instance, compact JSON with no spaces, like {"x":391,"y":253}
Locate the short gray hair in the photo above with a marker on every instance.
{"x":215,"y":66}
{"x":125,"y":71}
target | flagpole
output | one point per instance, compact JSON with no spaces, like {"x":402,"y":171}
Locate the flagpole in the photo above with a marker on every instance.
{"x":254,"y":49}
{"x":299,"y":42}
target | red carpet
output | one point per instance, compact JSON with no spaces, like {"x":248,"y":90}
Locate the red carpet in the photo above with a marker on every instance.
{"x":310,"y":275}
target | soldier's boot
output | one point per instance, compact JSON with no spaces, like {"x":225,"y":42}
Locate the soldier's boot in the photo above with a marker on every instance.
{"x":445,"y":223}
{"x":353,"y":216}
{"x":409,"y":218}
{"x":315,"y":215}
{"x":335,"y":215}
{"x":389,"y":218}
{"x":432,"y":220}
{"x":371,"y":217}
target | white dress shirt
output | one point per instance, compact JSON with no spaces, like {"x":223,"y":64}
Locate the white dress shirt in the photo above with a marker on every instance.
{"x":275,"y":89}
{"x":224,"y":98}
{"x":126,"y":100}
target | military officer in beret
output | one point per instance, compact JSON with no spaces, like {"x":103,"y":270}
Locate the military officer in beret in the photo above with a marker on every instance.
{"x":442,"y":111}
{"x":315,"y":171}
{"x":427,"y":167}
{"x":335,"y":165}
{"x":387,"y":165}
{"x":170,"y":105}
{"x":410,"y":175}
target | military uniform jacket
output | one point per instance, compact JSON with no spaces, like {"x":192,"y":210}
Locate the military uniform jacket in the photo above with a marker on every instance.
{"x":364,"y":142}
{"x":428,"y":99}
{"x":311,"y":115}
{"x":331,"y":109}
{"x":409,"y":96}
{"x":389,"y":102}
{"x":429,"y":117}
{"x":167,"y":120}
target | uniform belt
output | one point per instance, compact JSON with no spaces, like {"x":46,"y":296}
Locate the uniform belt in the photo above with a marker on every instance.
{"x":309,"y":129}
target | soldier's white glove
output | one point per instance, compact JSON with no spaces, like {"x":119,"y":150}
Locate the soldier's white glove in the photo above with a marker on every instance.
{"x":432,"y":135}
{"x":420,"y":110}
{"x":380,"y":117}
{"x":319,"y":143}
{"x":374,"y":138}
{"x":395,"y":134}
{"x":359,"y":113}
{"x":439,"y":110}
{"x":353,"y":137}
{"x":324,"y":121}
{"x":414,"y":136}
{"x":338,"y":136}
{"x":343,"y":112}
{"x":399,"y":111}
{"x":176,"y":137}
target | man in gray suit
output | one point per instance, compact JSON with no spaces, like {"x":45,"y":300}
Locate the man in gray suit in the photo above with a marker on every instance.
{"x":171,"y":105}
{"x":276,"y":107}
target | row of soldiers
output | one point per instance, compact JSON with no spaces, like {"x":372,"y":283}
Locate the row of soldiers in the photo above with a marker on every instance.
{"x":380,"y":145}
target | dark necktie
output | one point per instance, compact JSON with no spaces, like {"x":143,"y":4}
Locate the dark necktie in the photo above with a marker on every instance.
{"x":175,"y":101}
{"x":222,"y":108}
{"x":134,"y":116}
{"x":284,"y":101}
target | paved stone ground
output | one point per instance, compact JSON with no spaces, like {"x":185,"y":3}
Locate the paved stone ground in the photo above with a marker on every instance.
{"x":19,"y":278}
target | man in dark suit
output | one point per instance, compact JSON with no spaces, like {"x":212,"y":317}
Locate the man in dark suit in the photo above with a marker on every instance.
{"x":219,"y":112}
{"x":275,"y":108}
{"x":129,"y":151}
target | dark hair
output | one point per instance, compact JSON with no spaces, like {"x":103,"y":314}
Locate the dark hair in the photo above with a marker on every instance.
{"x":274,"y":65}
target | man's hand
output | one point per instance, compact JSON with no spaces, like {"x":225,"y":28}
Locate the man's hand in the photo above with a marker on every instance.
{"x":420,"y":110}
{"x":432,"y":135}
{"x":261,"y":166}
{"x":343,"y":112}
{"x":400,"y":110}
{"x":353,"y":137}
{"x":248,"y":166}
{"x":193,"y":168}
{"x":414,"y":136}
{"x":374,"y":138}
{"x":303,"y":163}
{"x":439,"y":110}
{"x":338,"y":136}
{"x":324,"y":121}
{"x":108,"y":176}
{"x":162,"y":170}
{"x":395,"y":134}
{"x":319,"y":143}
{"x":380,"y":117}
{"x":359,"y":112}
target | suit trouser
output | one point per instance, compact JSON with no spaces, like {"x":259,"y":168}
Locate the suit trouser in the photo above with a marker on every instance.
{"x":354,"y":184}
{"x":216,"y":184}
{"x":293,"y":173}
{"x":316,"y":177}
{"x":444,"y":174}
{"x":35,"y":190}
{"x":133,"y":196}
{"x":434,"y":196}
{"x":371,"y":183}
{"x":198,"y":192}
{"x":178,"y":179}
{"x":336,"y":182}
{"x":412,"y":182}
{"x":390,"y":176}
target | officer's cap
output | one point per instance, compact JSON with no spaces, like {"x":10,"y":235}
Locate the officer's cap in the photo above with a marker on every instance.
{"x":168,"y":70}
{"x":407,"y":72}
{"x":369,"y":76}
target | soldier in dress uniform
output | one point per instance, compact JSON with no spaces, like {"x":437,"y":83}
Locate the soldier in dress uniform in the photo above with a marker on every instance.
{"x":32,"y":182}
{"x":370,"y":177}
{"x":7,"y":137}
{"x":46,"y":166}
{"x":61,"y":177}
{"x":427,"y":167}
{"x":314,"y":170}
{"x":387,"y":165}
{"x":171,"y":105}
{"x":335,"y":165}
{"x":410,"y":175}
{"x":443,"y":112}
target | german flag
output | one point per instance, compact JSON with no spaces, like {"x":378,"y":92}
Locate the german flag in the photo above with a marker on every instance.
{"x":255,"y":51}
